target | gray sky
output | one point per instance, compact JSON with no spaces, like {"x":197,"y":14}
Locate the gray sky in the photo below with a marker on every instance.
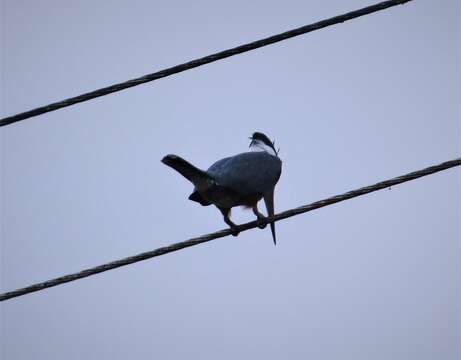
{"x":377,"y":277}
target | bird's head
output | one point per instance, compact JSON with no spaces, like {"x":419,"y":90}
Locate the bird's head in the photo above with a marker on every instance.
{"x":261,"y":142}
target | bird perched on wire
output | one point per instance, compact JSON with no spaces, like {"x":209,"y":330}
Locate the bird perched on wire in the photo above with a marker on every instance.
{"x":239,"y":180}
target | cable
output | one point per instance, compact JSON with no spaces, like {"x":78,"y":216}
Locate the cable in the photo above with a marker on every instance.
{"x":219,"y":234}
{"x":201,"y":61}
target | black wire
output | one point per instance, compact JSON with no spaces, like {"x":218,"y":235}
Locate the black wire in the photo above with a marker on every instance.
{"x":219,"y":234}
{"x":201,"y":61}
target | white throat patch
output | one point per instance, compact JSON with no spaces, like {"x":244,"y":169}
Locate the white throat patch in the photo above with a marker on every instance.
{"x":257,"y":145}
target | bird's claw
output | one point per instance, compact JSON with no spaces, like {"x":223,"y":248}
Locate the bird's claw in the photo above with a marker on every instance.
{"x":261,"y":223}
{"x":234,"y":231}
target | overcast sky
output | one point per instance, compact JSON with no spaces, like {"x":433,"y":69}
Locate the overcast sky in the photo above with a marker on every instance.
{"x":376,"y":277}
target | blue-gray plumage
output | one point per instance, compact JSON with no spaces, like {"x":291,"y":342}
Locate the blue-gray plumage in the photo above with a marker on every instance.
{"x":248,"y":173}
{"x":240,"y":180}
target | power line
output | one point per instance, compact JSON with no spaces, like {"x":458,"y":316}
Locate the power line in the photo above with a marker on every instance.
{"x":201,"y":61}
{"x":219,"y":234}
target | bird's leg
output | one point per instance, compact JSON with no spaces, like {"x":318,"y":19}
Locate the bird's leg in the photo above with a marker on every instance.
{"x":228,"y":221}
{"x":259,"y":216}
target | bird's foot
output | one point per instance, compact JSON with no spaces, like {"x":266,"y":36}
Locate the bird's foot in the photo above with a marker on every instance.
{"x":261,"y":223}
{"x":234,"y":230}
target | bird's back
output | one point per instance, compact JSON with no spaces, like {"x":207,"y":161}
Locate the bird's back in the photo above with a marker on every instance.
{"x":247,"y":173}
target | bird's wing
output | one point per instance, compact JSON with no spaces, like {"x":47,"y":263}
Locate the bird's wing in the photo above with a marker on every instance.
{"x":247,"y":173}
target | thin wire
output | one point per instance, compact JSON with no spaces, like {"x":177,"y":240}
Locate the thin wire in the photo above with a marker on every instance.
{"x":201,"y":61}
{"x":219,"y":234}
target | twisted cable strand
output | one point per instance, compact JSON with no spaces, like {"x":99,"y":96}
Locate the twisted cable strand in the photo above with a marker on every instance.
{"x":219,"y":234}
{"x":201,"y":61}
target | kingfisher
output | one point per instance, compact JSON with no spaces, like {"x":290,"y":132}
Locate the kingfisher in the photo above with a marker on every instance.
{"x":239,"y":180}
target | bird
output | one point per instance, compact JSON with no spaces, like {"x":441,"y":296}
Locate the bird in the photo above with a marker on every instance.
{"x":240,"y":180}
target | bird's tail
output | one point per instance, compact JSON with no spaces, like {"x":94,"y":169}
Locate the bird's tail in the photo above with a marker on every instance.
{"x":269,"y":201}
{"x":198,"y":177}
